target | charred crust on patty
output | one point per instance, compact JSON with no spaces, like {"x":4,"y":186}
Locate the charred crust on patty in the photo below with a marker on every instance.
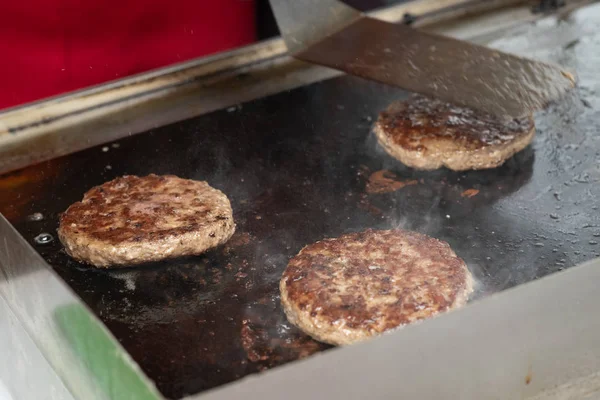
{"x":347,"y":289}
{"x":132,"y":220}
{"x":426,"y":133}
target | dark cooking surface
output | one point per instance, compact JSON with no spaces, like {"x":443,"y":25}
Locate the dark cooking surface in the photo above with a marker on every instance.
{"x":295,"y":167}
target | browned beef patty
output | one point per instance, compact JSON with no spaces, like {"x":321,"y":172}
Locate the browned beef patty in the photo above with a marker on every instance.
{"x":132,"y":220}
{"x":425,"y":133}
{"x":345,"y":290}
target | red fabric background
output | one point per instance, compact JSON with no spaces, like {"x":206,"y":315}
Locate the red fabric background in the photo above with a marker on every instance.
{"x":48,"y":47}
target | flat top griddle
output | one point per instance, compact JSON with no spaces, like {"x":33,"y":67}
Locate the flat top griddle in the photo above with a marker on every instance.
{"x":296,"y":167}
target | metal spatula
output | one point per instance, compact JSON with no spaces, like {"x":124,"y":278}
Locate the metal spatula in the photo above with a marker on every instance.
{"x":330,"y":33}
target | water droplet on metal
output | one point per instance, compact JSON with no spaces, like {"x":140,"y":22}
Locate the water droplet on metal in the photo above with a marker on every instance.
{"x":35,"y":217}
{"x":43,"y":238}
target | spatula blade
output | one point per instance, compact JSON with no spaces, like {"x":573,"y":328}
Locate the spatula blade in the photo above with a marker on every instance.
{"x":329,"y":33}
{"x":452,"y":70}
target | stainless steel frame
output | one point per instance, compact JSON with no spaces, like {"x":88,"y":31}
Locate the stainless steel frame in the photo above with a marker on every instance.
{"x":51,"y":327}
{"x":545,"y":332}
{"x":24,"y":372}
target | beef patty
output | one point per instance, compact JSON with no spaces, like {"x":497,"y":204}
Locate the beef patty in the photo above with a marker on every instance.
{"x":132,"y":220}
{"x":425,"y":133}
{"x":345,"y":290}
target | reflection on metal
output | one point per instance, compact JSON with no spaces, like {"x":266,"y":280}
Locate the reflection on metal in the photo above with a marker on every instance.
{"x":88,"y":360}
{"x":66,"y":124}
{"x":24,"y":372}
{"x":306,"y":22}
{"x":332,"y":34}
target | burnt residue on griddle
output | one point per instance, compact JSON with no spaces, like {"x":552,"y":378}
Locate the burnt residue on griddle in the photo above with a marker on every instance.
{"x":396,"y":187}
{"x":295,"y":166}
{"x":269,"y":339}
{"x":384,"y":181}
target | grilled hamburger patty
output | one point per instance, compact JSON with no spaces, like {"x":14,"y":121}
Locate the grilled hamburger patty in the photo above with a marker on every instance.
{"x":133,"y":220}
{"x":425,"y":133}
{"x":345,"y":290}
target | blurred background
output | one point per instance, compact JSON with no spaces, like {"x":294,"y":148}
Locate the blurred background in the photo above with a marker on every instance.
{"x":50,"y":48}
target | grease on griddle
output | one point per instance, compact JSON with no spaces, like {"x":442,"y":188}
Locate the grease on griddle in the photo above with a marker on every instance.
{"x":269,"y":340}
{"x":20,"y":188}
{"x":385,"y":181}
{"x":162,"y":293}
{"x":470,"y":193}
{"x":467,"y":191}
{"x":237,"y":240}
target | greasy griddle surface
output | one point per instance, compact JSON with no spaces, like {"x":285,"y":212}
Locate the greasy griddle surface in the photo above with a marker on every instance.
{"x":296,"y":167}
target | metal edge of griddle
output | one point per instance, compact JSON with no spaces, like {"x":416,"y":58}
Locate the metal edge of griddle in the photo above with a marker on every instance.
{"x":22,"y":363}
{"x":59,"y":126}
{"x":538,"y":340}
{"x":87,"y":360}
